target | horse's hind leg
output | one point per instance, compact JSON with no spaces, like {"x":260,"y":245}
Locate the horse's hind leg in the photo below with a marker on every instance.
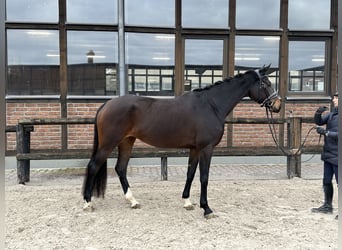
{"x":192,"y":166}
{"x":124,"y":150}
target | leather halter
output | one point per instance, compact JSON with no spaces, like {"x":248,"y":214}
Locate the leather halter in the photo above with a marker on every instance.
{"x":262,"y":85}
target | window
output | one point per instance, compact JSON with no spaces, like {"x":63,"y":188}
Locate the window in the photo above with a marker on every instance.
{"x":256,"y":51}
{"x":203,"y":62}
{"x":92,"y":61}
{"x":92,"y":12}
{"x":33,"y":62}
{"x":150,"y":59}
{"x":33,"y":38}
{"x":150,"y":13}
{"x":306,"y":66}
{"x":32,"y":10}
{"x":205,"y":13}
{"x":309,"y":14}
{"x":252,"y":52}
{"x":253,"y":14}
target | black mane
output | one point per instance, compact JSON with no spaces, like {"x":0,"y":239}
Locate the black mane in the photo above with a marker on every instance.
{"x":226,"y":80}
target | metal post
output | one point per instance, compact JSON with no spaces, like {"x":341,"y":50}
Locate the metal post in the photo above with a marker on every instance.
{"x":2,"y":118}
{"x":121,"y":49}
{"x":164,"y":168}
{"x":339,"y":88}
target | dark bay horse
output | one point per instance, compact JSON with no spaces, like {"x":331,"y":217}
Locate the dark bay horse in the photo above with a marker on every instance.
{"x":194,"y":120}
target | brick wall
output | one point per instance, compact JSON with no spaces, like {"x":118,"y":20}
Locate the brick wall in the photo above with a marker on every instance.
{"x":306,"y":110}
{"x":43,"y":137}
{"x":81,"y":136}
{"x":251,"y":135}
{"x":259,"y":134}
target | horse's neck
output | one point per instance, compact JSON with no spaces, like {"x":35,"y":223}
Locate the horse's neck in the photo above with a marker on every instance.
{"x":227,"y":95}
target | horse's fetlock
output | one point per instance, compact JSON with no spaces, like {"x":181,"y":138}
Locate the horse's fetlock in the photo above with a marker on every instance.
{"x":88,"y":206}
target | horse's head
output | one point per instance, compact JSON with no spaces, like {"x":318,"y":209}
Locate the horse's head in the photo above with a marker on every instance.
{"x":263,"y":93}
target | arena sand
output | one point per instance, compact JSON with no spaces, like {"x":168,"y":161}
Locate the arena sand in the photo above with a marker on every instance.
{"x":252,"y":214}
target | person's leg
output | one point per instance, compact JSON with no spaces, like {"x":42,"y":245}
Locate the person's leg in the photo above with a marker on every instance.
{"x":328,"y":190}
{"x":335,"y":167}
{"x":336,"y":177}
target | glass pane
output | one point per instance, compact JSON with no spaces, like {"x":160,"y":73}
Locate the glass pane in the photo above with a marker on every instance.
{"x":205,"y":13}
{"x":150,"y":13}
{"x":32,"y":10}
{"x":203,"y":62}
{"x":33,"y":62}
{"x":151,"y":57}
{"x":111,"y":80}
{"x":294,"y":83}
{"x":167,"y":83}
{"x":309,"y":14}
{"x":149,"y":49}
{"x":306,"y":66}
{"x":153,"y":83}
{"x":258,"y":14}
{"x":140,"y":83}
{"x":256,"y":51}
{"x":92,"y":62}
{"x":92,"y":12}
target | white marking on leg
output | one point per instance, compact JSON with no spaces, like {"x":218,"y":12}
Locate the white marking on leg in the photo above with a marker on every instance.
{"x":129,"y":197}
{"x":187,"y":204}
{"x":88,"y":206}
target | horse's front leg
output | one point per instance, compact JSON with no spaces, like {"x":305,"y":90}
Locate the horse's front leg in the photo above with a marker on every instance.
{"x":204,"y":163}
{"x":192,"y":166}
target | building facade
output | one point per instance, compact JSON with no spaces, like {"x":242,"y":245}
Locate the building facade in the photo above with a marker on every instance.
{"x":64,"y":58}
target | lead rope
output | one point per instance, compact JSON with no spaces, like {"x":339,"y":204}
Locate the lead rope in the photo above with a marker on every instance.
{"x":273,"y":132}
{"x":276,"y":141}
{"x":319,"y":140}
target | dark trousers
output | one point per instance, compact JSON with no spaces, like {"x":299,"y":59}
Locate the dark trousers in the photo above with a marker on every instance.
{"x":329,"y":171}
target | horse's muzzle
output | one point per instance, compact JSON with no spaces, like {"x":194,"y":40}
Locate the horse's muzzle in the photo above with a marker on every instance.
{"x":274,"y":105}
{"x":272,"y":102}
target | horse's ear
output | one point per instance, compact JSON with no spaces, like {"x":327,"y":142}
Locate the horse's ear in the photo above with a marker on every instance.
{"x":265,"y":70}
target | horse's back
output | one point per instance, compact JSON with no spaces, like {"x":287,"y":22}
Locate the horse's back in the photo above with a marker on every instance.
{"x":147,"y":106}
{"x":159,"y":122}
{"x":171,"y":123}
{"x":127,"y":104}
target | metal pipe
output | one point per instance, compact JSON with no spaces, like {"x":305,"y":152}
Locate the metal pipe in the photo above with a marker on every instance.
{"x":121,"y":49}
{"x":2,"y":116}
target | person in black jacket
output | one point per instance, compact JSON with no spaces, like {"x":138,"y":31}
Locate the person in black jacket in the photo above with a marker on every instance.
{"x":330,"y":152}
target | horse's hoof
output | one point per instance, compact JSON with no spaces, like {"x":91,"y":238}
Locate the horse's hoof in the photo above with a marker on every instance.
{"x":88,"y":207}
{"x":136,"y":206}
{"x":210,"y":216}
{"x":189,"y":207}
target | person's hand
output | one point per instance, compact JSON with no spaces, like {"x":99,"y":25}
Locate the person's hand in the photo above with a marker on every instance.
{"x":320,"y":130}
{"x":321,"y":109}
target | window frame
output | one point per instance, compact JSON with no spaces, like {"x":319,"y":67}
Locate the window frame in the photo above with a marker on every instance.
{"x":326,"y":69}
{"x":181,"y":33}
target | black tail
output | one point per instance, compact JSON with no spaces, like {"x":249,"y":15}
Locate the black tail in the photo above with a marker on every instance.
{"x":100,"y":179}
